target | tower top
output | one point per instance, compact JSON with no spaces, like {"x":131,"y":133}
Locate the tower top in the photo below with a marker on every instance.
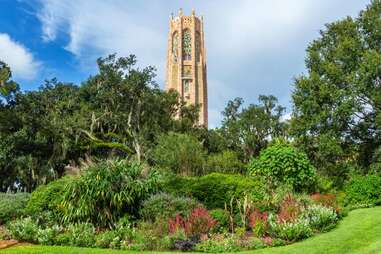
{"x":181,"y":13}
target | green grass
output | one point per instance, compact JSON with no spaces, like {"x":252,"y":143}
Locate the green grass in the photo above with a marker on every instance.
{"x":358,"y":233}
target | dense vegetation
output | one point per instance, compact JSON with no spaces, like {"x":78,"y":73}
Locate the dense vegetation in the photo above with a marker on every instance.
{"x":119,"y":163}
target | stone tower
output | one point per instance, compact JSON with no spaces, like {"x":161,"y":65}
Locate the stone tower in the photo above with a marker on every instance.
{"x":186,"y":61}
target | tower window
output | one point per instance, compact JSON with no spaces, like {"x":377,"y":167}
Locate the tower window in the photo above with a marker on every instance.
{"x":186,"y":85}
{"x":187,"y":71}
{"x":198,"y":46}
{"x":175,"y":47}
{"x":187,"y":45}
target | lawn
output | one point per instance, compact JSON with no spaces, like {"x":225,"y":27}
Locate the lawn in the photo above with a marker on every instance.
{"x":359,"y":232}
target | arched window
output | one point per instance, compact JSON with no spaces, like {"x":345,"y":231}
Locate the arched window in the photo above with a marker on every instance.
{"x":175,"y":47}
{"x":187,"y":45}
{"x":198,"y":46}
{"x":186,"y":86}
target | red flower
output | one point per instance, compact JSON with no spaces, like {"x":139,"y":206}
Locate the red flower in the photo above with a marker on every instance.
{"x":198,"y":222}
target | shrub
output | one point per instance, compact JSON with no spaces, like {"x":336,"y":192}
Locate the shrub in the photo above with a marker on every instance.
{"x":12,"y":206}
{"x":63,"y":239}
{"x":4,"y":233}
{"x":363,"y":190}
{"x":283,"y":164}
{"x":222,"y":218}
{"x":164,"y":206}
{"x":290,"y":231}
{"x":47,"y":197}
{"x":48,"y":235}
{"x":258,"y":222}
{"x":24,"y":229}
{"x":216,"y":189}
{"x":104,"y":239}
{"x":289,"y":209}
{"x":328,"y":200}
{"x":224,"y":162}
{"x":106,"y":191}
{"x":228,"y":244}
{"x":180,"y":153}
{"x":151,"y":236}
{"x":81,"y":235}
{"x":197,"y":223}
{"x":320,"y":217}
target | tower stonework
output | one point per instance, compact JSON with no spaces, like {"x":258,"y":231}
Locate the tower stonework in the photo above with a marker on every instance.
{"x":186,"y":62}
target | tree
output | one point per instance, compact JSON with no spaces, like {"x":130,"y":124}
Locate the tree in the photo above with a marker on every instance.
{"x":179,"y":153}
{"x":336,"y":105}
{"x":128,"y":110}
{"x":39,"y":135}
{"x":248,"y":130}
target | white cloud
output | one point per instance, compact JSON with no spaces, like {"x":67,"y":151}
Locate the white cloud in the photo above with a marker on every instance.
{"x":18,"y":57}
{"x":98,"y":28}
{"x":253,"y":46}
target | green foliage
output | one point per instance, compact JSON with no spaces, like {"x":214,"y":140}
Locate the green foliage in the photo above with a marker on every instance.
{"x":292,"y":231}
{"x":164,"y":206}
{"x":24,"y":229}
{"x":12,"y":206}
{"x":247,"y":130}
{"x":229,"y":243}
{"x":180,"y":153}
{"x":216,"y":189}
{"x":151,"y":236}
{"x":336,"y":105}
{"x":81,"y":235}
{"x":104,"y":239}
{"x":363,"y":190}
{"x":320,"y":217}
{"x":106,"y":191}
{"x":224,"y":162}
{"x":119,"y":111}
{"x":283,"y":164}
{"x":47,"y":197}
{"x":222,"y":218}
{"x":48,"y":235}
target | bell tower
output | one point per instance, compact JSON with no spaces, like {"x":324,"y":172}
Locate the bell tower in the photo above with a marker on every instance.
{"x":186,"y":61}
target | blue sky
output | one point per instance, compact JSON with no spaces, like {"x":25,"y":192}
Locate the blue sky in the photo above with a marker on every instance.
{"x":253,"y":46}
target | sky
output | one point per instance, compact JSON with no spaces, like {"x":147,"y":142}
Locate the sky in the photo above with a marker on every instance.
{"x":253,"y":47}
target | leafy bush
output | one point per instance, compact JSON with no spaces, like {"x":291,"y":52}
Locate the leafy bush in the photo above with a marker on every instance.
{"x":320,"y":217}
{"x":213,"y":246}
{"x":164,"y":206}
{"x":48,"y":235}
{"x":229,"y":243}
{"x":151,"y":236}
{"x":289,"y":209}
{"x":24,"y":229}
{"x":290,"y":231}
{"x":63,"y":239}
{"x":81,"y":235}
{"x":224,"y":162}
{"x":283,"y":164}
{"x":47,"y":197}
{"x":258,"y":222}
{"x":106,"y":191}
{"x":363,"y":190}
{"x":12,"y":206}
{"x":104,"y":239}
{"x":216,"y":189}
{"x":180,"y":153}
{"x":197,"y":223}
{"x":222,"y":218}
